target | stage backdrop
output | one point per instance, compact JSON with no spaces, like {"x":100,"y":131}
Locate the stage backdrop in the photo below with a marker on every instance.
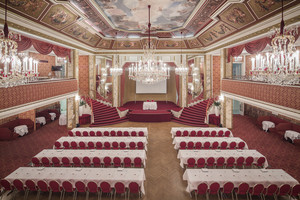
{"x":130,"y":90}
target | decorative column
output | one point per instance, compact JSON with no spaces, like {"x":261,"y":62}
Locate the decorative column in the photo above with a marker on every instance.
{"x":226,"y":113}
{"x":71,"y":122}
{"x":228,"y":66}
{"x":183,"y":72}
{"x":92,"y":76}
{"x":207,"y":76}
{"x":116,"y":71}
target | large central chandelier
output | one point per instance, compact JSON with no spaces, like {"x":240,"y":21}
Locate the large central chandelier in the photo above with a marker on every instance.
{"x":149,"y":69}
{"x":281,"y":66}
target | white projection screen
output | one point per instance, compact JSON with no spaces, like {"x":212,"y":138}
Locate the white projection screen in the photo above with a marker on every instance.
{"x":157,"y":88}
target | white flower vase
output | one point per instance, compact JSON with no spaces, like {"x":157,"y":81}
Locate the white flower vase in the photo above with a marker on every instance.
{"x":217,"y":111}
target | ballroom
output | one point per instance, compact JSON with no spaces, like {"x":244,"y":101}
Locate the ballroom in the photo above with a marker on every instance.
{"x":148,"y":99}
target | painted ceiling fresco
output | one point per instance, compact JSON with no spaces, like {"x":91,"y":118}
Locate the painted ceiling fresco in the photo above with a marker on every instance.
{"x":89,"y":21}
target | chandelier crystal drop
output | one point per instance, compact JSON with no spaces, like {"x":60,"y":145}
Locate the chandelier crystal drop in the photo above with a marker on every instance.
{"x":116,"y":70}
{"x":182,"y":70}
{"x":281,"y":66}
{"x":149,"y":70}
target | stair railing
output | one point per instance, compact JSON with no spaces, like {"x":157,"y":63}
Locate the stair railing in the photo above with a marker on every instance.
{"x":88,"y":99}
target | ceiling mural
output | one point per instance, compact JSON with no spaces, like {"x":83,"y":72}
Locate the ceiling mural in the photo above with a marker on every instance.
{"x":104,"y":44}
{"x":133,"y":15}
{"x":194,"y":43}
{"x":170,"y":44}
{"x":28,"y":7}
{"x":59,"y":17}
{"x":128,"y":44}
{"x":237,"y":15}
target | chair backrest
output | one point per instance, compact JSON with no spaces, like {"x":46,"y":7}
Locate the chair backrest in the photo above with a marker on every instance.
{"x":78,"y":133}
{"x":178,"y":133}
{"x":86,"y":161}
{"x":82,"y":145}
{"x":99,"y":133}
{"x":133,"y":187}
{"x":117,"y":161}
{"x":141,"y":133}
{"x":201,"y":162}
{"x":220,"y":161}
{"x":193,"y":133}
{"x":257,"y":189}
{"x":98,"y":145}
{"x":70,"y":133}
{"x":213,"y":133}
{"x":182,"y":145}
{"x":137,"y":162}
{"x":122,"y":145}
{"x":85,"y":133}
{"x":199,"y":133}
{"x":202,"y":188}
{"x":127,"y":162}
{"x":4,"y":183}
{"x":106,"y":133}
{"x":190,"y":145}
{"x":115,"y":145}
{"x":227,"y":133}
{"x":80,"y":186}
{"x":76,"y":161}
{"x":106,"y":145}
{"x":185,"y":133}
{"x":107,"y":161}
{"x":66,"y":145}
{"x":18,"y":185}
{"x":240,"y":161}
{"x":220,"y":133}
{"x":92,"y":133}
{"x":30,"y":185}
{"x":260,"y":161}
{"x":74,"y":145}
{"x":191,"y":162}
{"x":198,"y":145}
{"x":132,"y":145}
{"x":206,"y":145}
{"x":215,"y":145}
{"x":243,"y":188}
{"x":140,"y":145}
{"x":206,"y":133}
{"x":57,"y":145}
{"x":42,"y":185}
{"x":45,"y":161}
{"x":119,"y":133}
{"x":230,"y":162}
{"x":232,"y":145}
{"x":113,"y":133}
{"x":92,"y":187}
{"x":54,"y":186}
{"x":224,"y":145}
{"x":241,"y":145}
{"x":210,"y":161}
{"x":67,"y":186}
{"x":295,"y":191}
{"x":91,"y":145}
{"x":36,"y":162}
{"x":119,"y":188}
{"x":214,"y":188}
{"x":105,"y":187}
{"x":126,"y":133}
{"x":249,"y":160}
{"x":284,"y":189}
{"x":65,"y":161}
{"x":133,"y":133}
{"x":96,"y":162}
{"x":228,"y":187}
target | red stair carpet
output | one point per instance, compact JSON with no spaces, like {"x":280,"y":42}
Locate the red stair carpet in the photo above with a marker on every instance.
{"x":194,"y":115}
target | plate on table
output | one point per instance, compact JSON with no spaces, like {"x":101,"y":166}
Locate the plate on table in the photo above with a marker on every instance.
{"x":218,"y":150}
{"x":78,"y":169}
{"x":239,"y":150}
{"x":263,"y":170}
{"x":236,"y":170}
{"x":120,"y":169}
{"x":204,"y":169}
{"x":59,"y":150}
{"x":40,"y":168}
{"x":92,"y":150}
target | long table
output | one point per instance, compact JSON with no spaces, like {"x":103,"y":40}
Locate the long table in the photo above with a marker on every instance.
{"x":237,"y":176}
{"x":127,"y":140}
{"x":190,"y":129}
{"x":116,"y":129}
{"x":91,"y":153}
{"x":184,"y":155}
{"x":98,"y":175}
{"x":177,"y":140}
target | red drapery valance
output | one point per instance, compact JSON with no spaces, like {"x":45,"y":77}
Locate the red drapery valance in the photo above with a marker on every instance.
{"x":43,"y":47}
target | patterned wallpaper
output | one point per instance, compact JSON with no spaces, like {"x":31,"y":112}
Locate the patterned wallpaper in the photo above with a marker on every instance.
{"x":216,"y":75}
{"x":83,"y":75}
{"x":280,"y":95}
{"x":23,"y":94}
{"x":44,"y":67}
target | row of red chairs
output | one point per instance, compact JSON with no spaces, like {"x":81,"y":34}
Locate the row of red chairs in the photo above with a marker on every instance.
{"x":245,"y":189}
{"x":66,"y":186}
{"x":106,"y":133}
{"x":87,"y":162}
{"x":214,"y":145}
{"x":240,"y":162}
{"x":98,"y":145}
{"x":203,"y":134}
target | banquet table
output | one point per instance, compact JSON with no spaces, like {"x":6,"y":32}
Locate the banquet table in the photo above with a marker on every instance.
{"x":53,"y":115}
{"x":127,"y":140}
{"x":184,"y":155}
{"x":149,"y":105}
{"x":190,"y":129}
{"x":62,"y":119}
{"x":98,"y":175}
{"x":40,"y":120}
{"x":21,"y":130}
{"x":237,"y":176}
{"x":177,"y":140}
{"x":91,"y":153}
{"x":116,"y":129}
{"x":267,"y":124}
{"x":292,"y":135}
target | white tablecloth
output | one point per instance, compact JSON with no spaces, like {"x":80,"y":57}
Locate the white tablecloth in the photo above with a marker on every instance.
{"x":116,"y":129}
{"x":86,"y":109}
{"x":177,"y":140}
{"x":91,"y":153}
{"x":127,"y":140}
{"x":98,"y":175}
{"x":40,"y":120}
{"x":267,"y":124}
{"x":21,"y":130}
{"x":190,"y":129}
{"x":63,"y":119}
{"x":293,"y":135}
{"x":53,"y":115}
{"x":149,"y":106}
{"x":184,"y":155}
{"x":251,"y":176}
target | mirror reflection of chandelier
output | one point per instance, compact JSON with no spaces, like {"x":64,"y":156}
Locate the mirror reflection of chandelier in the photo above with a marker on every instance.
{"x":280,"y":67}
{"x":149,"y":69}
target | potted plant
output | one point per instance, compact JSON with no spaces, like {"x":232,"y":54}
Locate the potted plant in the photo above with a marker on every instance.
{"x":217,"y":106}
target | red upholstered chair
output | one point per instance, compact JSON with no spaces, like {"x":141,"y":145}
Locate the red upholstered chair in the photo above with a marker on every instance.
{"x":86,"y":161}
{"x":215,"y":145}
{"x":201,"y":189}
{"x":66,"y":145}
{"x":106,"y":145}
{"x":46,"y":162}
{"x":210,"y":162}
{"x":107,"y":161}
{"x":85,"y":133}
{"x":134,"y":188}
{"x":98,"y":145}
{"x":227,"y":189}
{"x":91,"y":145}
{"x":6,"y":185}
{"x":140,"y":145}
{"x":232,"y":145}
{"x":132,"y":145}
{"x":78,"y":133}
{"x":240,"y":162}
{"x":178,"y":133}
{"x":185,"y":133}
{"x":137,"y":162}
{"x":96,"y":162}
{"x":206,"y":134}
{"x":119,"y":189}
{"x":141,"y":133}
{"x":190,"y":145}
{"x":18,"y":185}
{"x":36,"y":162}
{"x":113,"y":133}
{"x":127,"y":162}
{"x":119,"y":133}
{"x":55,"y":162}
{"x":193,"y":134}
{"x":67,"y":186}
{"x":117,"y":162}
{"x":122,"y":145}
{"x":115,"y":145}
{"x":66,"y":162}
{"x":242,"y":190}
{"x":220,"y":133}
{"x":220,"y":162}
{"x":74,"y":145}
{"x":81,"y":145}
{"x":80,"y":187}
{"x":105,"y":188}
{"x":126,"y":133}
{"x":133,"y":133}
{"x":92,"y":187}
{"x":248,"y":162}
{"x":191,"y":163}
{"x":99,"y":133}
{"x":213,"y":134}
{"x":201,"y":163}
{"x":198,"y":145}
{"x":224,"y":145}
{"x":57,"y":145}
{"x":70,"y":133}
{"x":42,"y":187}
{"x":106,"y":133}
{"x":92,"y":133}
{"x":260,"y":162}
{"x":295,"y":191}
{"x":241,"y":145}
{"x":206,"y":145}
{"x":214,"y":189}
{"x":55,"y":187}
{"x":199,"y":133}
{"x":227,"y":133}
{"x":256,"y":190}
{"x":283,"y":190}
{"x":76,"y":162}
{"x":230,"y":162}
{"x":182,"y":145}
{"x":30,"y":187}
{"x":148,"y":101}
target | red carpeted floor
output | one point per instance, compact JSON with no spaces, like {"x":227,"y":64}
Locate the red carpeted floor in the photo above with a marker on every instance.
{"x":161,"y":105}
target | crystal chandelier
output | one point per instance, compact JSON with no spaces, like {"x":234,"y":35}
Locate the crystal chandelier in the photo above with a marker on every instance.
{"x":280,"y":67}
{"x":182,"y":70}
{"x":116,"y":70}
{"x":149,"y":70}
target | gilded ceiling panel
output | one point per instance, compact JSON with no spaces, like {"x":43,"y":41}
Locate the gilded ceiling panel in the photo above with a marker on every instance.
{"x":128,"y":44}
{"x":194,"y":43}
{"x":104,"y":44}
{"x":170,"y":44}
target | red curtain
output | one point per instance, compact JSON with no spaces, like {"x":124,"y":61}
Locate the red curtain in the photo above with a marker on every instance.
{"x":62,"y":52}
{"x":235,"y":51}
{"x":24,"y":44}
{"x":42,"y":47}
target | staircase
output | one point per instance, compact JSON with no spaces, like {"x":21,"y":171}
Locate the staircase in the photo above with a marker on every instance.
{"x":194,"y":115}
